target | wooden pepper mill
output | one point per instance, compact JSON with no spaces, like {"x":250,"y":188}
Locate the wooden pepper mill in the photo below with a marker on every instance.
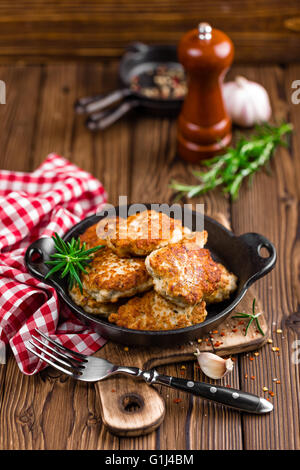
{"x":204,"y":127}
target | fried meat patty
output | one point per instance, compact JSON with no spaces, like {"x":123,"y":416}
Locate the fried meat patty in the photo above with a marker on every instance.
{"x":110,"y":277}
{"x":90,"y":305}
{"x":141,"y":233}
{"x":153,"y":312}
{"x":186,"y":274}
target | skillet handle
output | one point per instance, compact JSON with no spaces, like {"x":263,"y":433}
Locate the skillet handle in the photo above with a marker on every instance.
{"x":91,"y":104}
{"x":261,"y":264}
{"x":36,"y":255}
{"x":104,"y":119}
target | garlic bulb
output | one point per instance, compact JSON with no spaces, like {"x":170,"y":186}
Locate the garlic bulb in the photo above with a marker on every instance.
{"x":247,"y":102}
{"x":212,"y":365}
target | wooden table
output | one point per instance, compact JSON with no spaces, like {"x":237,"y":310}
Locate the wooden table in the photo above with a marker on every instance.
{"x":137,"y":157}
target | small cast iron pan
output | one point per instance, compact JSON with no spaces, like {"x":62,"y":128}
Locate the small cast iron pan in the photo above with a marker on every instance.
{"x":138,"y":61}
{"x":240,"y":254}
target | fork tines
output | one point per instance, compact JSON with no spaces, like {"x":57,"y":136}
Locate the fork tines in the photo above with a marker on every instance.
{"x":63,"y":359}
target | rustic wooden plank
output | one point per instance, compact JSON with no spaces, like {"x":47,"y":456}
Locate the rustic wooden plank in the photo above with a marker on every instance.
{"x":263,"y":30}
{"x":18,"y":116}
{"x":270,"y":207}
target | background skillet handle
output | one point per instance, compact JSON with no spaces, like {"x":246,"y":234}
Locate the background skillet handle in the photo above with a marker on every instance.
{"x":36,"y":255}
{"x":104,"y":119}
{"x":262,"y":264}
{"x":90,"y":104}
{"x":237,"y":399}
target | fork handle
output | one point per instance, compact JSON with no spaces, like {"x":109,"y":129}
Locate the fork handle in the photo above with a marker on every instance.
{"x":231,"y":397}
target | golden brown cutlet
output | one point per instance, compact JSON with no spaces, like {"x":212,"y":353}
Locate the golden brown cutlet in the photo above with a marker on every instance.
{"x":141,"y":233}
{"x":90,"y":305}
{"x":153,"y":312}
{"x":186,"y":274}
{"x":97,"y":234}
{"x":108,"y":276}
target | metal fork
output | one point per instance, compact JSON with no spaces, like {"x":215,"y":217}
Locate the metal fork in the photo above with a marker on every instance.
{"x":93,"y":369}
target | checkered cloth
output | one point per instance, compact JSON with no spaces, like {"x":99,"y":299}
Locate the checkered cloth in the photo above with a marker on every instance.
{"x":51,"y":199}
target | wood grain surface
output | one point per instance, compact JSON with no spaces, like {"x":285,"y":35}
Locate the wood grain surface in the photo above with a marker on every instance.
{"x":137,"y":157}
{"x":262,"y":30}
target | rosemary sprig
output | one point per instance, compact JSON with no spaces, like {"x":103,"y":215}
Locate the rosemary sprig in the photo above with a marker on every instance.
{"x":70,"y":259}
{"x":252,"y":316}
{"x":230,"y":169}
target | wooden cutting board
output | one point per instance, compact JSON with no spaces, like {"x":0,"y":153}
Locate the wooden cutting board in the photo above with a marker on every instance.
{"x":130,"y":407}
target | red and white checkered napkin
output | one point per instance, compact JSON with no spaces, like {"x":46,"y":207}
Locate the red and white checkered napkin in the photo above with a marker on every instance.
{"x":51,"y":199}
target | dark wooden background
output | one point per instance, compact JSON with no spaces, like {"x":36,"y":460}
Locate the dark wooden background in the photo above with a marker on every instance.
{"x":34,"y":30}
{"x":42,"y":47}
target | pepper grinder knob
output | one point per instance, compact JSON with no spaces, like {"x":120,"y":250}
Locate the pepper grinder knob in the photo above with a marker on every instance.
{"x":204,"y":127}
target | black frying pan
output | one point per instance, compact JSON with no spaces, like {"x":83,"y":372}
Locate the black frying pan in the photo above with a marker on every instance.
{"x":139,"y":59}
{"x":240,"y":254}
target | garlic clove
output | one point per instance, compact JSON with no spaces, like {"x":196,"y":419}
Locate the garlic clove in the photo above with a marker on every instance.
{"x":247,"y":102}
{"x":212,"y":365}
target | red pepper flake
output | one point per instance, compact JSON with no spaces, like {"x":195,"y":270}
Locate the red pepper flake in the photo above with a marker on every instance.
{"x":222,"y":333}
{"x":278,"y":381}
{"x":218,"y":343}
{"x":234,"y":330}
{"x":233,"y":359}
{"x":177,"y":400}
{"x":112,"y":390}
{"x":251,"y":358}
{"x":252,"y":377}
{"x":241,"y":322}
{"x":271,"y":393}
{"x":215,"y":332}
{"x":246,"y":376}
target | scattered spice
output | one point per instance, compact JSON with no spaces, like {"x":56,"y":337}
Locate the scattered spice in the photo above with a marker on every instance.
{"x":270,"y":341}
{"x":252,"y":377}
{"x":234,"y":330}
{"x":246,"y":376}
{"x":199,"y":340}
{"x":265,"y":389}
{"x":251,"y":358}
{"x":126,"y":348}
{"x":161,"y":83}
{"x":278,"y":382}
{"x":183,"y":367}
{"x":222,"y":333}
{"x":271,"y":393}
{"x":278,"y":331}
{"x":275,"y":349}
{"x":215,"y":332}
{"x":177,"y":400}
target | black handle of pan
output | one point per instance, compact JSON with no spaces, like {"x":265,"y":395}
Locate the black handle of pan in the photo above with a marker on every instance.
{"x":36,"y":255}
{"x":104,"y":119}
{"x":261,"y":264}
{"x":91,"y":104}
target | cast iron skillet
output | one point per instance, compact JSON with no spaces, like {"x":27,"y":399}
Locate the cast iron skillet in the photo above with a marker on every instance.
{"x":137,"y":61}
{"x":240,"y":254}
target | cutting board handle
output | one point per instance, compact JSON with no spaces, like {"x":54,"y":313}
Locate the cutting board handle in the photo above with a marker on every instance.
{"x":130,"y":407}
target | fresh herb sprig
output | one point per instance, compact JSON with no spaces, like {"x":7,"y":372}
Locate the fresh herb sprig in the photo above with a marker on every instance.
{"x":229,"y":170}
{"x":252,"y":317}
{"x":71,"y":258}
